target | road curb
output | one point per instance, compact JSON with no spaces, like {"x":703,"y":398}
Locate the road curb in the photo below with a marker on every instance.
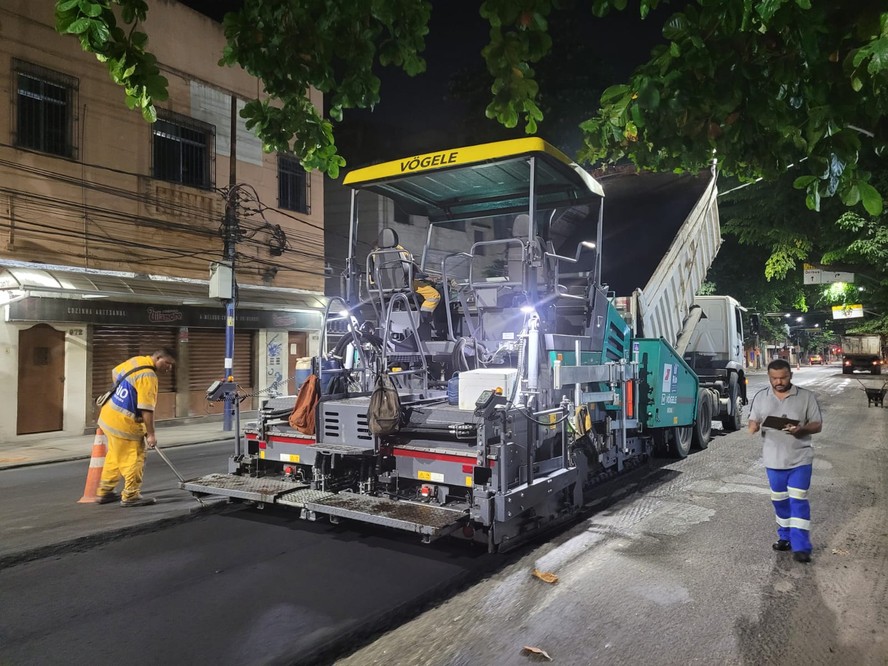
{"x":86,"y":456}
{"x":101,"y":538}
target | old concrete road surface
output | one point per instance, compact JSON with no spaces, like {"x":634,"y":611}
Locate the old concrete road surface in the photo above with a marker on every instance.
{"x":681,"y":570}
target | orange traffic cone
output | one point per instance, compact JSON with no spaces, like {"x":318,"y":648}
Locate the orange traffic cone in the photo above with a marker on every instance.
{"x":96,"y":465}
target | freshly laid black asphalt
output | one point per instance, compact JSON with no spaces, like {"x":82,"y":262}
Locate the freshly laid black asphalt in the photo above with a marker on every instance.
{"x":243,"y":588}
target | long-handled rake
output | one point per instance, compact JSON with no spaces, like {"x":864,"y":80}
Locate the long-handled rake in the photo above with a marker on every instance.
{"x":176,"y":472}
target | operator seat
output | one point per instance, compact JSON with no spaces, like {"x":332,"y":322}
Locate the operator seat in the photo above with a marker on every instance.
{"x":390,"y":270}
{"x":389,"y":267}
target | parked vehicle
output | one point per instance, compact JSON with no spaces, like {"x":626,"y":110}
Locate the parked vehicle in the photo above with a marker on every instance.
{"x":862,"y":352}
{"x":560,"y":383}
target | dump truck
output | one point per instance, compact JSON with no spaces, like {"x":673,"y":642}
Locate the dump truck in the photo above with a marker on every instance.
{"x":862,"y":352}
{"x":567,"y":347}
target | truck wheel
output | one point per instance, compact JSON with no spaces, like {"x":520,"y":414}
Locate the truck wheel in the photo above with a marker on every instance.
{"x":731,"y":422}
{"x":682,"y":436}
{"x":847,"y":371}
{"x":703,"y":424}
{"x":877,"y":371}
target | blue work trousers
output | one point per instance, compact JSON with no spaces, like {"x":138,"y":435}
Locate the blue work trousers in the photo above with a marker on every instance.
{"x":789,"y":493}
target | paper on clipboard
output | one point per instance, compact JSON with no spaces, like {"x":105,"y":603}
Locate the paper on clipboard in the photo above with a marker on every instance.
{"x":778,"y":422}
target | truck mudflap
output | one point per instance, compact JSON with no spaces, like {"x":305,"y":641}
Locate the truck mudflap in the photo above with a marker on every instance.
{"x":241,"y":487}
{"x":431,"y":522}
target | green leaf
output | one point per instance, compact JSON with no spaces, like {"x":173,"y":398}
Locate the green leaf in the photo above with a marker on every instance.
{"x":872,"y":200}
{"x":649,"y":96}
{"x":65,"y":5}
{"x":149,"y":113}
{"x":92,"y":9}
{"x":803,"y":182}
{"x":851,"y":197}
{"x":79,"y":26}
{"x":613,"y":92}
{"x":812,"y":200}
{"x":676,"y":28}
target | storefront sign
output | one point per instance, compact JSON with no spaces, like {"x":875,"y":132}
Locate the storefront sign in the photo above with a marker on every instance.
{"x":143,"y":314}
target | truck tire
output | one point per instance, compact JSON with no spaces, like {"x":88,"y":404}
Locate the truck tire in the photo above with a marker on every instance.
{"x":703,"y":422}
{"x":673,"y":442}
{"x":847,"y":371}
{"x":877,"y":370}
{"x":732,"y":422}
{"x":682,"y":437}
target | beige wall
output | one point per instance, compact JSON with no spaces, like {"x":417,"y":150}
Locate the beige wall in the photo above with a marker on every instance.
{"x":102,"y":209}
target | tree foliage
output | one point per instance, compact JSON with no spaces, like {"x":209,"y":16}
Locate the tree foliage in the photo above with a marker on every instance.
{"x":761,"y":84}
{"x":96,"y":26}
{"x":768,"y":226}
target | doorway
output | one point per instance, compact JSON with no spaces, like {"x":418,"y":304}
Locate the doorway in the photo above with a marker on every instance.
{"x":297,"y":347}
{"x":41,"y":380}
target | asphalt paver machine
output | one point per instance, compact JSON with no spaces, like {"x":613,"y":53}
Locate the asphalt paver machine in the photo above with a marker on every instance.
{"x":530,"y":385}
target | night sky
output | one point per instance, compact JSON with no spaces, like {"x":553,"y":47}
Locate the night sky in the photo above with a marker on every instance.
{"x":420,"y":114}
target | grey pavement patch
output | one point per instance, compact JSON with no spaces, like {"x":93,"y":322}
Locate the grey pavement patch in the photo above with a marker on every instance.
{"x":674,"y":519}
{"x":720,"y":487}
{"x":662,"y":594}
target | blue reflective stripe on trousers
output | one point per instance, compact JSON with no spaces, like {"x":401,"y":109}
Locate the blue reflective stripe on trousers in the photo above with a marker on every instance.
{"x":793,"y":513}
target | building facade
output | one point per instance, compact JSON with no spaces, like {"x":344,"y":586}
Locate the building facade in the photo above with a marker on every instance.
{"x":111,"y":227}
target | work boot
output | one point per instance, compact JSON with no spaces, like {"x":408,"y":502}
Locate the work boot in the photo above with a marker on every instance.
{"x":781,"y":544}
{"x":138,"y":501}
{"x":107,"y":498}
{"x":424,"y":330}
{"x":802,"y":556}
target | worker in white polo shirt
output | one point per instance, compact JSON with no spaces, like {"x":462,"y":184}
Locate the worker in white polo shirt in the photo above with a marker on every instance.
{"x":788,"y":453}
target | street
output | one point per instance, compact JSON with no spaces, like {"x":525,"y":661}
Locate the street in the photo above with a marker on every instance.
{"x":677,"y":570}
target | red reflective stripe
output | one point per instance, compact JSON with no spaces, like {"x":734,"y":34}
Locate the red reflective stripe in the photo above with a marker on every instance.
{"x":630,"y":407}
{"x":291,"y":440}
{"x":262,"y":444}
{"x":443,"y":457}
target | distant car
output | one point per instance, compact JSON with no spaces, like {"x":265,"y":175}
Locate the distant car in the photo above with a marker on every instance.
{"x":815,"y":359}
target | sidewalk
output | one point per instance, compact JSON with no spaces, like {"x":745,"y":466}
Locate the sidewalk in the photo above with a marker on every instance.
{"x":57,"y":447}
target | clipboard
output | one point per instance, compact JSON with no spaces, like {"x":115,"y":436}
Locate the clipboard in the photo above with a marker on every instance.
{"x":778,"y":422}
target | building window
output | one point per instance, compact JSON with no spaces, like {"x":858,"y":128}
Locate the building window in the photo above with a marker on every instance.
{"x":293,"y":185}
{"x":479,"y":238}
{"x":183,"y":150}
{"x":46,"y":110}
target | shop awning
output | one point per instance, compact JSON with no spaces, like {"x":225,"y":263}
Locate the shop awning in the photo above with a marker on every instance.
{"x":20,"y":280}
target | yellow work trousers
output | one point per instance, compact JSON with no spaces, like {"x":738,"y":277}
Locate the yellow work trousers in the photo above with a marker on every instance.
{"x":431,"y":296}
{"x":125,"y":458}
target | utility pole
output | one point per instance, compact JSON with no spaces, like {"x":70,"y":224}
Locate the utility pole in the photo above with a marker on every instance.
{"x":230,"y":255}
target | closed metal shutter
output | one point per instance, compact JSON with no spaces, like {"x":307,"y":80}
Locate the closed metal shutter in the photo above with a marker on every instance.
{"x":112,"y":345}
{"x":206,"y":358}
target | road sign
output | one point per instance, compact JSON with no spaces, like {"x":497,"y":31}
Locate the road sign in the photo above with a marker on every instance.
{"x":847,"y":311}
{"x":819,"y":276}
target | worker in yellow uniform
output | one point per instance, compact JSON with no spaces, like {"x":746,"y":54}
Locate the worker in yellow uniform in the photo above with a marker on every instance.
{"x":127,"y":420}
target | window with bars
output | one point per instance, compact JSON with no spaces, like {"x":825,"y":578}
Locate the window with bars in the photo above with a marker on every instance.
{"x":46,"y":110}
{"x":183,"y":150}
{"x":294,"y":191}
